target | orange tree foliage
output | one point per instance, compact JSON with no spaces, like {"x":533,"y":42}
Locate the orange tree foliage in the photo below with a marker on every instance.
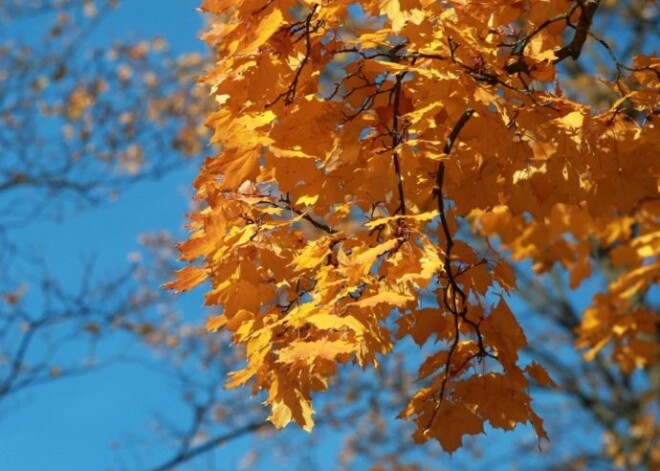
{"x":364,"y":144}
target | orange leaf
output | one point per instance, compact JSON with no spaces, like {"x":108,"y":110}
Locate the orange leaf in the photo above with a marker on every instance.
{"x":187,"y":278}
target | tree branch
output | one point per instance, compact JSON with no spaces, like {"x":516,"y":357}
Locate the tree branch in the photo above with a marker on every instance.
{"x":191,"y":453}
{"x":574,"y":48}
{"x":396,"y":140}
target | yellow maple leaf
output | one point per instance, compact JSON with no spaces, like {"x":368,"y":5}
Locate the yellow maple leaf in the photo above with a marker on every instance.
{"x":309,"y":352}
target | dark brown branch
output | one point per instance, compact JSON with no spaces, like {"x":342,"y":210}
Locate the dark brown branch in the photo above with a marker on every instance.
{"x":449,"y":240}
{"x":456,"y":305}
{"x":396,"y":140}
{"x":520,"y":45}
{"x":306,"y":217}
{"x":574,"y":48}
{"x":290,"y":94}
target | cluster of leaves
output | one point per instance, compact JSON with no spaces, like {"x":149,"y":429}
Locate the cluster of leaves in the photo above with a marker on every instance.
{"x":358,"y":137}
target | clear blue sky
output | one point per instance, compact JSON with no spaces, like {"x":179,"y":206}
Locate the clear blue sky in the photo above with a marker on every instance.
{"x":71,"y":425}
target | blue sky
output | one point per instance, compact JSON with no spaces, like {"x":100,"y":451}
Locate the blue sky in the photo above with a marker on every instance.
{"x":71,"y":425}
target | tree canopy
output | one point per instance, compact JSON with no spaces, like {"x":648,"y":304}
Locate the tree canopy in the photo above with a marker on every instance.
{"x":98,"y":102}
{"x":384,"y":163}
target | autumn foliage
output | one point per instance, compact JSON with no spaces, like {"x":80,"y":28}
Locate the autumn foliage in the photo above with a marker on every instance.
{"x":381,"y":164}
